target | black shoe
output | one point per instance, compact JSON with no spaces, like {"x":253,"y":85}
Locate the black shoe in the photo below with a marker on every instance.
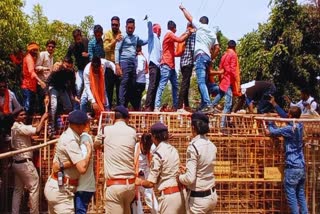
{"x":207,"y":110}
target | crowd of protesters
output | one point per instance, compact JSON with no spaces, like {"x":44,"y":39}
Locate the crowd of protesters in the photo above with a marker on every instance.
{"x":84,"y":81}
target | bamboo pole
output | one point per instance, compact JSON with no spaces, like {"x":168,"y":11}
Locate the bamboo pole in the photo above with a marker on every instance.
{"x":32,"y":148}
{"x":45,"y":134}
{"x":277,"y":119}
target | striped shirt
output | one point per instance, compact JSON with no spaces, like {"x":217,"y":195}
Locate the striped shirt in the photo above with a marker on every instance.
{"x":95,"y":48}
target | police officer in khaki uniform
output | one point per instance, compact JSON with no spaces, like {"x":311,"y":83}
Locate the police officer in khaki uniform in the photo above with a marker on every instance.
{"x":60,"y":197}
{"x":198,"y":174}
{"x":25,"y":173}
{"x":119,"y":144}
{"x":163,"y":171}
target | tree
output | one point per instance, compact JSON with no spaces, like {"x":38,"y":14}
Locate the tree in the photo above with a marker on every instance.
{"x":86,"y":25}
{"x":42,"y":30}
{"x":284,"y":50}
{"x":14,"y":35}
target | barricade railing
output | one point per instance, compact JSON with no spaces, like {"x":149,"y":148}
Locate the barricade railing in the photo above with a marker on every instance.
{"x":248,"y":168}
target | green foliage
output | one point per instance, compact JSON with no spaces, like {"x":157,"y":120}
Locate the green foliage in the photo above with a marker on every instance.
{"x":86,"y":25}
{"x":285,"y":50}
{"x":14,"y":35}
{"x":14,"y":27}
{"x":42,"y":30}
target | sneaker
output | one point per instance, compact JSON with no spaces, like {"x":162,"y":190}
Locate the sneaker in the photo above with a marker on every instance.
{"x":182,"y":111}
{"x":207,"y":110}
{"x":156,"y":110}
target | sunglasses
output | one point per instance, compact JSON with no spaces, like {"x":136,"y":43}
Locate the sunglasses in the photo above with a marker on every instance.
{"x":51,"y":46}
{"x":115,"y":25}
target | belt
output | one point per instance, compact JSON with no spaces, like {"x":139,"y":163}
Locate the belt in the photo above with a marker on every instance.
{"x":202,"y":194}
{"x":171,"y":190}
{"x":22,"y":161}
{"x":124,"y":181}
{"x":66,"y":180}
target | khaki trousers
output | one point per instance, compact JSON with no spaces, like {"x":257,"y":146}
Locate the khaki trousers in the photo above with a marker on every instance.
{"x":25,"y":175}
{"x":203,"y":205}
{"x":172,"y":203}
{"x":60,"y":199}
{"x":119,"y":198}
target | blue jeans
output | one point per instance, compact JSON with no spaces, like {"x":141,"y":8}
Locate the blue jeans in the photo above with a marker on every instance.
{"x":294,"y":181}
{"x":64,"y":97}
{"x":81,"y":201}
{"x":227,"y":106}
{"x":128,"y":81}
{"x":29,"y":101}
{"x":202,"y":63}
{"x":84,"y":102}
{"x":166,"y":73}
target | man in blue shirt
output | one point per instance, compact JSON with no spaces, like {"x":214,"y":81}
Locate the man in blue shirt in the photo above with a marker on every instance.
{"x":95,"y":46}
{"x":154,"y":51}
{"x":125,"y":60}
{"x":294,"y":173}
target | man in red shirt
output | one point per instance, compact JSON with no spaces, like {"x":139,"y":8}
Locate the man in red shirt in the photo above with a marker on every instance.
{"x":30,"y":78}
{"x":167,"y":66}
{"x":229,"y":65}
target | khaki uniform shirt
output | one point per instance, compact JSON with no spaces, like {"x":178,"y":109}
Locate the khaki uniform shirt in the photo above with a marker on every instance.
{"x":68,"y":149}
{"x":119,"y":143}
{"x":201,"y":153}
{"x":21,"y":138}
{"x":164,"y":166}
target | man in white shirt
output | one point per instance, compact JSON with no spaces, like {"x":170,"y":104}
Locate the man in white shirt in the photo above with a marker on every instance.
{"x":206,"y":49}
{"x":142,"y":70}
{"x":44,"y":66}
{"x":98,"y":67}
{"x":307,"y":104}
